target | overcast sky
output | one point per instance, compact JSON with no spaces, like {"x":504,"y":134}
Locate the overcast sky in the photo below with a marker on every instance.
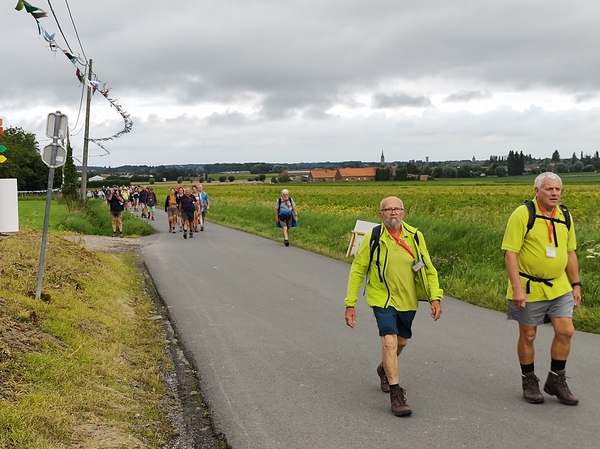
{"x":312,"y":80}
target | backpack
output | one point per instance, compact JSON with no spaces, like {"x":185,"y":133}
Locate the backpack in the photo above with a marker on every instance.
{"x":279,"y":204}
{"x":533,"y":215}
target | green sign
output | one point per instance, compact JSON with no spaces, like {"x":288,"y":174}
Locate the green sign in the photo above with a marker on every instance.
{"x":2,"y":148}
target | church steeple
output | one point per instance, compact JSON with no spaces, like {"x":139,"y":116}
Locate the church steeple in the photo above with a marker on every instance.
{"x":382,"y":158}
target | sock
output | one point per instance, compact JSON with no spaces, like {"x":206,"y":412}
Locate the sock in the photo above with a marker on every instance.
{"x":394,"y":387}
{"x":557,"y":365}
{"x":526,"y":369}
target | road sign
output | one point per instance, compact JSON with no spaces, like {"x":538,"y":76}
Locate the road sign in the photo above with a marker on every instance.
{"x":61,"y":156}
{"x":1,"y":128}
{"x":63,"y":123}
{"x":2,"y":158}
{"x":2,"y":150}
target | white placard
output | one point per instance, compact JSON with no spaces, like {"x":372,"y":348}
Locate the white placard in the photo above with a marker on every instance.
{"x":9,"y":206}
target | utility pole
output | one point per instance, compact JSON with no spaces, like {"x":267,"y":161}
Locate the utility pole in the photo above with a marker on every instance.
{"x":84,"y":161}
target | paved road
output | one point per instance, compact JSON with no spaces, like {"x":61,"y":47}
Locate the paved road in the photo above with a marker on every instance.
{"x":264,"y":325}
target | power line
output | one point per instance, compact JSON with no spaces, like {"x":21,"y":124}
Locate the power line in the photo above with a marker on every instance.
{"x":59,"y":28}
{"x":75,"y":28}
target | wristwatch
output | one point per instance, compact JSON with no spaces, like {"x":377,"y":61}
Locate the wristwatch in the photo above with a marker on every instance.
{"x":574,"y":284}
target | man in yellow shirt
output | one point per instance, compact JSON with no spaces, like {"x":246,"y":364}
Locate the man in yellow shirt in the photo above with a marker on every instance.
{"x":398,"y":275}
{"x":544,"y":281}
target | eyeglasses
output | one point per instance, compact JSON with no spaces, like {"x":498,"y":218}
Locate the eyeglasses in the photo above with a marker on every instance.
{"x":389,"y":210}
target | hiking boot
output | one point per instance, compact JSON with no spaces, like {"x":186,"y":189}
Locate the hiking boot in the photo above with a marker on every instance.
{"x":114,"y":233}
{"x":202,"y":228}
{"x":121,"y":235}
{"x":385,"y":385}
{"x":286,"y":242}
{"x":531,"y":389}
{"x":399,"y":405}
{"x":185,"y":235}
{"x":556,"y":385}
{"x":191,"y":234}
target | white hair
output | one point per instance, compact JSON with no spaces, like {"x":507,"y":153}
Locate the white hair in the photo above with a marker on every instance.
{"x":539,"y":181}
{"x":387,"y":198}
{"x":284,"y":191}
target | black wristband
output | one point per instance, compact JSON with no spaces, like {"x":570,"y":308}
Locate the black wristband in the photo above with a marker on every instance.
{"x":574,"y":284}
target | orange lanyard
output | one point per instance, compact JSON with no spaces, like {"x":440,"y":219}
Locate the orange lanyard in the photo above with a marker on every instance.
{"x":401,"y":242}
{"x":549,"y":223}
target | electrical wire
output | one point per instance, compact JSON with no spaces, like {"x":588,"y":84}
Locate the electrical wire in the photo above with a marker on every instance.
{"x":59,"y":27}
{"x":83,"y":88}
{"x":75,"y":28}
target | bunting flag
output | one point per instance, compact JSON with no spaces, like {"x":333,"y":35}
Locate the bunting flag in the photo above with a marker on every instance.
{"x":96,"y":85}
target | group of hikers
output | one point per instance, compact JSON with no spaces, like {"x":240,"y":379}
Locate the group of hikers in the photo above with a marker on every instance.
{"x":187,"y":208}
{"x":184,"y":207}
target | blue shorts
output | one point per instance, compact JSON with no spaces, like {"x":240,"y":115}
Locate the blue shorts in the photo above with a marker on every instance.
{"x":392,"y":322}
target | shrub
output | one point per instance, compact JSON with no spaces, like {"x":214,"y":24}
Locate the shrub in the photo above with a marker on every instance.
{"x":180,"y":180}
{"x":231,"y":178}
{"x":151,"y":180}
{"x":222,"y":178}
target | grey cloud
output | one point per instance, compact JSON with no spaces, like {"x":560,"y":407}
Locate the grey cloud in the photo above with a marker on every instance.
{"x":465,"y":96}
{"x":582,"y":98}
{"x":382,"y":101}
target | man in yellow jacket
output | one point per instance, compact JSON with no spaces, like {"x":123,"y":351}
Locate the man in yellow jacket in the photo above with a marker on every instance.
{"x":399,"y":273}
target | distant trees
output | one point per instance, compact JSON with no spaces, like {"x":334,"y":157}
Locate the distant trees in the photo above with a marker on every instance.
{"x":555,"y":156}
{"x":382,"y":174}
{"x":515,"y":163}
{"x":24,"y":161}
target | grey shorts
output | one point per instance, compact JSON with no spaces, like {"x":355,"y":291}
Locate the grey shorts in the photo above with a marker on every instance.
{"x":534,"y":313}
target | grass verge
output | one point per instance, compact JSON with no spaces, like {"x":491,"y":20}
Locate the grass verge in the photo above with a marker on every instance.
{"x":83,"y":367}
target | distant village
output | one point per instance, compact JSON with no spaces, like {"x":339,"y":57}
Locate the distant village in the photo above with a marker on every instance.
{"x":515,"y":164}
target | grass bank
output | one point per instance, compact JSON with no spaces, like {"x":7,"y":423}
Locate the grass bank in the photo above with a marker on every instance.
{"x":91,"y":218}
{"x":83,"y":367}
{"x":463,"y":224}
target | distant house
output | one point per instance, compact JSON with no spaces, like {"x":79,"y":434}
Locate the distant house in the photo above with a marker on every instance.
{"x":298,"y":175}
{"x":97,"y":178}
{"x":355,"y":174}
{"x":322,"y":175}
{"x":424,"y":177}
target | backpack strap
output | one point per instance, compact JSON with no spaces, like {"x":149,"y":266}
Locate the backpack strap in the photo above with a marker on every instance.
{"x":533,"y":215}
{"x":374,"y":244}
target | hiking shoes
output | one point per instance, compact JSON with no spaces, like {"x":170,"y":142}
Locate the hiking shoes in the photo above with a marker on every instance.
{"x":531,"y":389}
{"x":185,"y":235}
{"x":398,"y":400}
{"x":556,"y":385}
{"x":202,"y":228}
{"x":191,"y":234}
{"x":385,"y":385}
{"x":286,"y":242}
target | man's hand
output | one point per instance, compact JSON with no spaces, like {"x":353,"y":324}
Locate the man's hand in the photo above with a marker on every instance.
{"x":520,"y":298}
{"x":576,"y":296}
{"x":436,"y":309}
{"x":350,"y":316}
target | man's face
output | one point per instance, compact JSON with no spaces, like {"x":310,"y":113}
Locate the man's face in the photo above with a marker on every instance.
{"x":285,"y":195}
{"x":187,"y":191}
{"x":392,"y":213}
{"x":548,"y":196}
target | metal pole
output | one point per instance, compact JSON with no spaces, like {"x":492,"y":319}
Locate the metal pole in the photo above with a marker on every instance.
{"x":84,"y":161}
{"x":38,"y":289}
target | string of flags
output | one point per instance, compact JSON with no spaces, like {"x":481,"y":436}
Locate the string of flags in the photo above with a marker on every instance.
{"x":96,"y":85}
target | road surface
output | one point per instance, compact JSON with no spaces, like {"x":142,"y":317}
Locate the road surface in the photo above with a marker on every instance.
{"x":264,"y":326}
